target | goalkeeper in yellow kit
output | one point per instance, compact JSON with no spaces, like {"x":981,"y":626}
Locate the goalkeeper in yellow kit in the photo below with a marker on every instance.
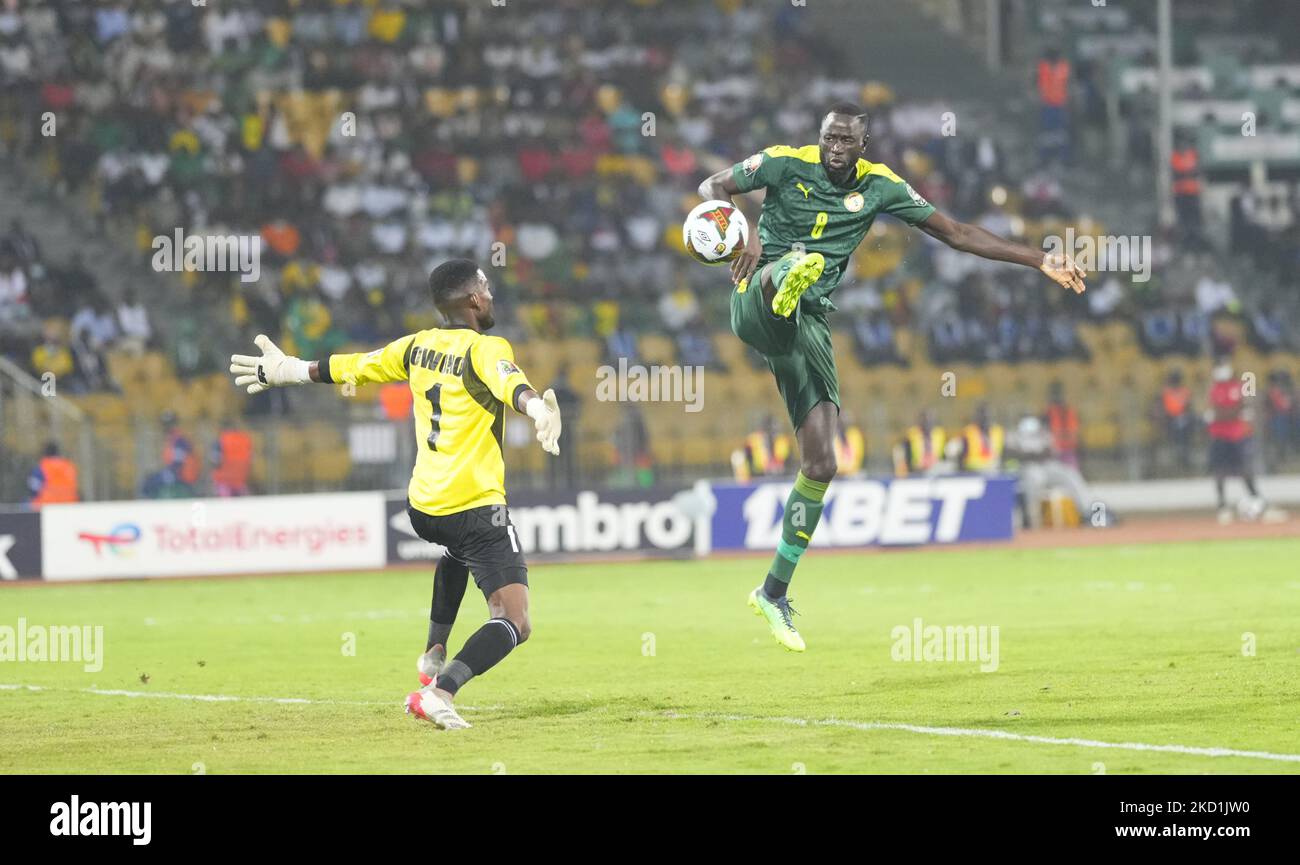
{"x":461,"y":380}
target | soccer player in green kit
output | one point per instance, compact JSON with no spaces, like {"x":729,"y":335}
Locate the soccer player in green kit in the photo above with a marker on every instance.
{"x":820,"y":201}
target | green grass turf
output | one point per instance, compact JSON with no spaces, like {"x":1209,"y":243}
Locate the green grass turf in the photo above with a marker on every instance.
{"x":1118,"y":644}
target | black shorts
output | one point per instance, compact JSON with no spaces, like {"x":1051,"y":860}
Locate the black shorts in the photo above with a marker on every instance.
{"x":483,"y":539}
{"x":1228,"y":457}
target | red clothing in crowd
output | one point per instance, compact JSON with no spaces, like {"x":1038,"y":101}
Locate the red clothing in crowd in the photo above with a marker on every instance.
{"x":1226,"y":395}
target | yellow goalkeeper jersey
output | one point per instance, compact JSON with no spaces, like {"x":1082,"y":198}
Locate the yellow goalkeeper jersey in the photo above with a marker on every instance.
{"x":461,"y":381}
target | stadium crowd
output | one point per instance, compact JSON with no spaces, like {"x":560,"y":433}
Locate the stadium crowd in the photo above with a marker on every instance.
{"x":364,"y":141}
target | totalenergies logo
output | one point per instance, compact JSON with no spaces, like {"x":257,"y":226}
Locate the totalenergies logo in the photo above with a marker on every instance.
{"x":118,"y":541}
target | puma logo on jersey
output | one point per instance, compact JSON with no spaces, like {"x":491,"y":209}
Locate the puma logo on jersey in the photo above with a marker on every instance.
{"x":804,"y":535}
{"x":805,"y":190}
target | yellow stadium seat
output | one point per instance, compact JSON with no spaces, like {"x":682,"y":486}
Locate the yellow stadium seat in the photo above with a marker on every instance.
{"x":1100,"y":435}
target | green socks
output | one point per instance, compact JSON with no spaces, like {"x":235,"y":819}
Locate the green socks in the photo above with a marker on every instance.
{"x":802,"y":511}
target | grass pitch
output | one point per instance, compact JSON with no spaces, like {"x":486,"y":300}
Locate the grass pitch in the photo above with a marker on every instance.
{"x":660,"y":667}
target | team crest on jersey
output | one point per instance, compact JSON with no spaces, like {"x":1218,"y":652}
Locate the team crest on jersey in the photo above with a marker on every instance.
{"x":853,"y":202}
{"x":750,"y":165}
{"x":507,"y":369}
{"x":916,"y":196}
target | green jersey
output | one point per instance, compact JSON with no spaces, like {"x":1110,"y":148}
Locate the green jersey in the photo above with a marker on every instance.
{"x":803,"y":207}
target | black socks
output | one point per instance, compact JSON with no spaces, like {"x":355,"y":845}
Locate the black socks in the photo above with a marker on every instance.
{"x":482,"y":651}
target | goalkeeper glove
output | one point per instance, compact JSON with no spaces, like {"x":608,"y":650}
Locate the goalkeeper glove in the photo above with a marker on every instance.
{"x":273,"y":369}
{"x":545,"y":413}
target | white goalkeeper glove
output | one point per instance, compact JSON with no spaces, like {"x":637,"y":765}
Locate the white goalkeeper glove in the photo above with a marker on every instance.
{"x":545,"y":413}
{"x":273,"y":369}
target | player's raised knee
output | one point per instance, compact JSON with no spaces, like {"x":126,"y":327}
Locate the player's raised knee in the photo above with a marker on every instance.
{"x":820,"y":468}
{"x":523,"y":626}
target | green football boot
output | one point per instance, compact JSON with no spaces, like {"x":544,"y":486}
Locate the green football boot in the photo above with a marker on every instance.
{"x":778,"y":613}
{"x":806,"y":269}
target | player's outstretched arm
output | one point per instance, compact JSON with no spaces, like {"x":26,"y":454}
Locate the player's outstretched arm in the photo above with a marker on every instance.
{"x":545,"y":413}
{"x":964,"y":237}
{"x":276,"y":369}
{"x":721,"y":187}
{"x":273,"y":369}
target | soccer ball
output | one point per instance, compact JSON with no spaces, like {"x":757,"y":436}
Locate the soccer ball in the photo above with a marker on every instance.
{"x":715,"y":232}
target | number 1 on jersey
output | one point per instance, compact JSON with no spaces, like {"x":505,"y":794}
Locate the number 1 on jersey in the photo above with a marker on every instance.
{"x":434,"y":396}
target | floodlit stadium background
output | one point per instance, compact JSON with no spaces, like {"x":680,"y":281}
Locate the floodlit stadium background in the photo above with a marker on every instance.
{"x":561,"y":144}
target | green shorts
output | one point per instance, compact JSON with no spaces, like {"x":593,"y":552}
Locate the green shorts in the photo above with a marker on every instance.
{"x":797,"y":349}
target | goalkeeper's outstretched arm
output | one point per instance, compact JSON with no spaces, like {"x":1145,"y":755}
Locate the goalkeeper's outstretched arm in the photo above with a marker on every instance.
{"x":277,"y":369}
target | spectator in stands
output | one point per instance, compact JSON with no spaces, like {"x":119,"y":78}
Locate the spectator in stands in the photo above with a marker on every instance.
{"x":52,"y":355}
{"x":475,"y":132}
{"x":1213,"y":291}
{"x":396,"y":401}
{"x":1283,"y":418}
{"x":1185,"y":164}
{"x":15,"y":314}
{"x":873,"y":341}
{"x":93,"y":333}
{"x":981,"y":443}
{"x":1268,"y":330}
{"x":1166,"y":330}
{"x":850,"y":446}
{"x":73,"y":285}
{"x":1104,"y":299}
{"x":765,"y":453}
{"x":133,"y":323}
{"x":54,"y":480}
{"x":1054,"y":105}
{"x":232,"y":459}
{"x":25,"y":247}
{"x":310,"y":325}
{"x":1175,"y":417}
{"x":922,"y":447}
{"x":948,"y":341}
{"x":678,"y":308}
{"x":1063,"y":423}
{"x":1062,"y":340}
{"x":621,"y":344}
{"x":180,"y":471}
{"x":695,"y":347}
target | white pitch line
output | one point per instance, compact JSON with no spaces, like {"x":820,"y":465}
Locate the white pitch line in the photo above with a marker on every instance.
{"x":1000,"y":734}
{"x":1190,"y":750}
{"x":220,"y":698}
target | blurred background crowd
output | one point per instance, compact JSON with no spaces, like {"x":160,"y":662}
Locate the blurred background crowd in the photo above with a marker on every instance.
{"x":364,"y":141}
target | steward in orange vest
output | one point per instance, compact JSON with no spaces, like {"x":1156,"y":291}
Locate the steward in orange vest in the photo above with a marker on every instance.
{"x":234,"y":461}
{"x":54,"y":480}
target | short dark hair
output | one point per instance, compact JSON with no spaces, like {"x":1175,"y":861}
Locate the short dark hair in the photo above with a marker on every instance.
{"x":848,"y":109}
{"x":450,"y":277}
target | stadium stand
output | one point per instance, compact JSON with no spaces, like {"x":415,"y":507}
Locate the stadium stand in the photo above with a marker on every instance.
{"x":363,"y":142}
